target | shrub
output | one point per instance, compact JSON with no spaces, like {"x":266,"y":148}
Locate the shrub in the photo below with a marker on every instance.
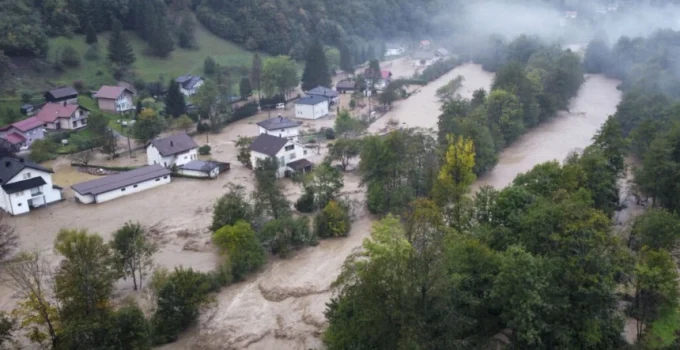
{"x":333,"y":221}
{"x":247,"y":110}
{"x":202,"y":127}
{"x":280,"y":236}
{"x":70,"y":57}
{"x":329,"y":133}
{"x":79,"y":85}
{"x":26,"y":96}
{"x":305,"y":204}
{"x":230,"y":208}
{"x":241,"y":246}
{"x":352,"y":103}
{"x":204,"y":150}
{"x":209,"y":66}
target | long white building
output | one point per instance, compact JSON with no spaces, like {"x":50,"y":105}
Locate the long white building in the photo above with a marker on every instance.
{"x":122,"y":184}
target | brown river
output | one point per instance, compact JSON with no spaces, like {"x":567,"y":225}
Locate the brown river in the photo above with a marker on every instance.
{"x":282,"y":307}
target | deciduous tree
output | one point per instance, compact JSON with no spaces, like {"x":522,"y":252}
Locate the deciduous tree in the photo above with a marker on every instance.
{"x":231,"y":208}
{"x":133,"y":253}
{"x":239,"y":243}
{"x":270,"y":202}
{"x":279,"y":75}
{"x":344,"y":150}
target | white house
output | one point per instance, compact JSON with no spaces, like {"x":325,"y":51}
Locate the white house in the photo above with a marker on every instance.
{"x":394,"y":51}
{"x":25,"y":185}
{"x":189,"y":84}
{"x":332,"y":95}
{"x":288,"y":154}
{"x":203,"y":168}
{"x":311,"y":107}
{"x":121,"y":184}
{"x":281,"y":127}
{"x":177,"y":149}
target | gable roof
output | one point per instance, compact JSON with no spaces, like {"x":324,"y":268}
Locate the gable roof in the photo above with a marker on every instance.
{"x":111,"y":92}
{"x":10,"y":166}
{"x":128,"y":86}
{"x":201,"y":165}
{"x":268,"y":144}
{"x":61,"y":92}
{"x":322,"y":91}
{"x":278,"y":123}
{"x":120,"y":180}
{"x":28,"y":124}
{"x":14,"y":138}
{"x":346,"y":84}
{"x":22,"y":185}
{"x":311,"y":100}
{"x":174,"y":144}
{"x":51,"y":111}
{"x":188,"y":81}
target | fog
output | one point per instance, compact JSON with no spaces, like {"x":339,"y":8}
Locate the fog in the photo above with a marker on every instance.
{"x":479,"y":19}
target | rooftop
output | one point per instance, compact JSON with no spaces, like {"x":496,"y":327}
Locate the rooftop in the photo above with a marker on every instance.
{"x":322,"y":91}
{"x":120,"y":180}
{"x":14,"y":138}
{"x":28,"y":124}
{"x":188,"y":81}
{"x":64,"y":91}
{"x":111,"y":92}
{"x":174,"y":144}
{"x":278,"y":123}
{"x":300,"y":164}
{"x":311,"y":100}
{"x":10,"y":166}
{"x":201,"y":165}
{"x":22,"y":185}
{"x":51,"y":111}
{"x":268,"y":144}
{"x":346,"y":84}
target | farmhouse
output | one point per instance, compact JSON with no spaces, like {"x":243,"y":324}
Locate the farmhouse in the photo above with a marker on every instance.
{"x":122,"y":184}
{"x":178,"y":149}
{"x":281,"y":127}
{"x":311,"y":107}
{"x":203,"y":168}
{"x":288,"y":154}
{"x":345,"y":85}
{"x":25,"y":185}
{"x":327,"y":93}
{"x":115,"y":99}
{"x":63,"y":94}
{"x":63,"y":116}
{"x":189,"y":84}
{"x":24,"y":132}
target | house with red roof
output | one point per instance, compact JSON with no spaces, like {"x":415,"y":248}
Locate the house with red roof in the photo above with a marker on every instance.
{"x":23,"y":133}
{"x":63,"y":116}
{"x":114,"y":99}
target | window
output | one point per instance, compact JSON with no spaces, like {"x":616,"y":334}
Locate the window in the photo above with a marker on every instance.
{"x":35,"y":191}
{"x":135,"y":186}
{"x":290,"y":148}
{"x":122,"y":189}
{"x":158,"y":179}
{"x":19,"y":194}
{"x":27,"y":176}
{"x":304,"y":152}
{"x":282,"y":161}
{"x":165,"y":177}
{"x":292,"y":156}
{"x":18,"y":205}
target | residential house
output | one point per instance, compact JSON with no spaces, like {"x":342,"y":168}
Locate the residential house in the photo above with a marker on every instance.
{"x":385,"y":79}
{"x":121,"y":184}
{"x":115,"y":99}
{"x":330,"y":94}
{"x":423,"y":58}
{"x":281,"y":127}
{"x":175,"y":150}
{"x":203,"y":168}
{"x":25,"y":185}
{"x":189,"y":84}
{"x":63,"y":116}
{"x":22,"y":133}
{"x":345,"y":85}
{"x":394,"y":51}
{"x":425,"y":44}
{"x":128,"y":86}
{"x":311,"y":107}
{"x":63,"y":94}
{"x":288,"y":154}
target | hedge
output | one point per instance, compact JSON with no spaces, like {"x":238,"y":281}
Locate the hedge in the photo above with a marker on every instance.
{"x":245,"y":111}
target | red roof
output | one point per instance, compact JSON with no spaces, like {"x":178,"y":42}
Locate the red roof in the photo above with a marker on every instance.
{"x":51,"y":111}
{"x":385,"y":74}
{"x":14,"y":138}
{"x":110,"y":92}
{"x":28,"y":124}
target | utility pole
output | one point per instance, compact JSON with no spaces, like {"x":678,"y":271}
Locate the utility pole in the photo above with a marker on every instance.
{"x":128,"y":139}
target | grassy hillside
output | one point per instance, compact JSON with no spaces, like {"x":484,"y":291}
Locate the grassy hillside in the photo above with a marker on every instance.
{"x":149,"y":68}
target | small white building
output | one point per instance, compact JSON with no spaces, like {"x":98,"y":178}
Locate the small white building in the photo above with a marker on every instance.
{"x":332,"y":95}
{"x":394,"y":51}
{"x":25,"y":185}
{"x":189,"y":84}
{"x":121,"y":184}
{"x":203,"y":168}
{"x":177,"y":149}
{"x":281,"y":127}
{"x":289,"y":154}
{"x":311,"y":107}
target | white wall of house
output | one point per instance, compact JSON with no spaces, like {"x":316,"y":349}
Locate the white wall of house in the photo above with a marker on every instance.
{"x":154,"y":157}
{"x":289,"y":133}
{"x":138,"y":187}
{"x":292,"y":151}
{"x":316,"y":111}
{"x":192,"y":91}
{"x":18,"y":203}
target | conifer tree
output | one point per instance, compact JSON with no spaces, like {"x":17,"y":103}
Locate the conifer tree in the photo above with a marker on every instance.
{"x":174,"y":101}
{"x":346,"y":63}
{"x":120,"y":51}
{"x":90,"y":33}
{"x":256,"y":73}
{"x":316,"y":68}
{"x":186,"y":37}
{"x":161,"y":41}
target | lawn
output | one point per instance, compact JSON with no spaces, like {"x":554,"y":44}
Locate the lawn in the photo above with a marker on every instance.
{"x":149,"y":68}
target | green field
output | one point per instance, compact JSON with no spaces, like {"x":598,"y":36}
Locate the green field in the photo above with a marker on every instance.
{"x":149,"y":68}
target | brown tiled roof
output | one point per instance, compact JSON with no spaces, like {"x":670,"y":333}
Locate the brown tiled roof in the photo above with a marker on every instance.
{"x":110,"y":92}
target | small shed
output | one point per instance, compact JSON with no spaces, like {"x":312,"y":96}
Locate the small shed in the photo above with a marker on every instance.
{"x":63,"y":94}
{"x":203,"y":168}
{"x":346,"y":85}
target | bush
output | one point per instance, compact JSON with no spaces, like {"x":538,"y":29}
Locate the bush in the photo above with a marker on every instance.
{"x":242,"y":248}
{"x":26,"y":96}
{"x":204,"y":150}
{"x":79,"y":85}
{"x":42,"y":150}
{"x":70,"y":57}
{"x":280,"y":236}
{"x":333,"y":221}
{"x":245,"y":111}
{"x":231,"y":208}
{"x":329,"y":133}
{"x":209,"y":66}
{"x":305,"y":204}
{"x":202,"y":127}
{"x":270,"y":102}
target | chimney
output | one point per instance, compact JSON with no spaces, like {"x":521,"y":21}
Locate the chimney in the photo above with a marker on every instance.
{"x":172,"y":144}
{"x":64,"y":103}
